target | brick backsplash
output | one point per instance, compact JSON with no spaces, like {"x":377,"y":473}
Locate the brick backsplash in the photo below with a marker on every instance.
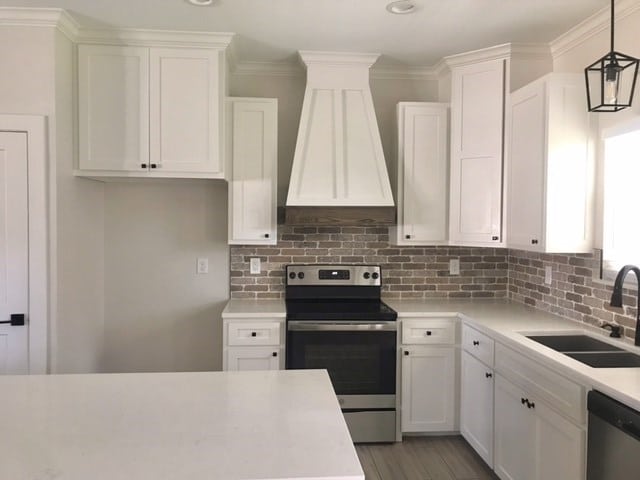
{"x":573,"y":292}
{"x":407,"y":272}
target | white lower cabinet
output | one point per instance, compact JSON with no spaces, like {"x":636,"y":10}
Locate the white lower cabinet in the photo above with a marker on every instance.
{"x":428,"y":389}
{"x":254,"y":358}
{"x":476,"y":406}
{"x":532,"y":442}
{"x":253,"y":343}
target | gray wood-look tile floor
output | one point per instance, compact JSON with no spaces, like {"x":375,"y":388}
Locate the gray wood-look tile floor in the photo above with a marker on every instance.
{"x":423,"y":458}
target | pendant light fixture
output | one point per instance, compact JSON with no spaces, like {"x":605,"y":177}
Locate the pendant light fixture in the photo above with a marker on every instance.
{"x":611,"y":80}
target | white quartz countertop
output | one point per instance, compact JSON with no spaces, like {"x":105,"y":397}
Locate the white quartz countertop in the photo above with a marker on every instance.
{"x":509,"y":323}
{"x":246,"y":308}
{"x":182,"y":426}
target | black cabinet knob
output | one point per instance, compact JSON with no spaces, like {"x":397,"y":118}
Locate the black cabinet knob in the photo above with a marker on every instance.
{"x":154,"y":165}
{"x":406,"y":353}
{"x":523,"y":400}
{"x":266,"y":235}
{"x":476,"y":343}
{"x":254,"y":334}
{"x":531,"y":404}
{"x":488,"y":375}
{"x":495,"y":237}
{"x":534,"y":241}
{"x":274,"y":354}
{"x":428,"y":333}
{"x":143,"y":165}
{"x":407,"y":237}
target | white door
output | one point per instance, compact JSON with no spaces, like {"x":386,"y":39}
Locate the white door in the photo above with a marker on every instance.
{"x":14,"y":273}
{"x":476,"y":406}
{"x":428,"y":389}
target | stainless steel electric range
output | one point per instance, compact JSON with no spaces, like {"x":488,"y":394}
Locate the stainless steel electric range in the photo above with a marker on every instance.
{"x":336,"y":321}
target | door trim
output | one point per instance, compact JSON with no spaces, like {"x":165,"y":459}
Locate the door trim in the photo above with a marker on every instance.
{"x":35,"y":126}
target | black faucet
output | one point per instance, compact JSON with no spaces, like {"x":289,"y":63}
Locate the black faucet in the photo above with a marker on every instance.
{"x":616,"y":296}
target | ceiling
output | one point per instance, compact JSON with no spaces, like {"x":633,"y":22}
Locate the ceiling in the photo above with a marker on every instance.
{"x":273,"y":30}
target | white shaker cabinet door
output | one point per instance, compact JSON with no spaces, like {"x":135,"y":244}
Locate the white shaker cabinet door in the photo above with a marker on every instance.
{"x":477,"y":104}
{"x":422,"y":174}
{"x":476,"y":406}
{"x":113,"y":104}
{"x":253,"y":146}
{"x":428,"y":389}
{"x":185,"y":117}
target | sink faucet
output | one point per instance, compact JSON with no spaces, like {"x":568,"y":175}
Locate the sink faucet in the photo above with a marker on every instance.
{"x":616,"y":296}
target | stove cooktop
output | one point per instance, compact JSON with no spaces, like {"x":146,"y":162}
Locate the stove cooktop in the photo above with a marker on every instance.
{"x":339,"y":309}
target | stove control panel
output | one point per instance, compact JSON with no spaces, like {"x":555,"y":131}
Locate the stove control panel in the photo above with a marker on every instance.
{"x":358,"y":275}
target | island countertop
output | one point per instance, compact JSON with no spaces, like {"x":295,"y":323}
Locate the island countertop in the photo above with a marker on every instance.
{"x":182,"y":426}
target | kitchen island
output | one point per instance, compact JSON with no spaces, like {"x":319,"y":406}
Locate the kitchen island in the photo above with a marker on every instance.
{"x":182,"y":426}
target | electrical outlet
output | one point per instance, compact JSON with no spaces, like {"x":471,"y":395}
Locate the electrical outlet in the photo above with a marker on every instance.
{"x":454,"y":266}
{"x":548,"y":275}
{"x":254,"y":266}
{"x":202,"y":265}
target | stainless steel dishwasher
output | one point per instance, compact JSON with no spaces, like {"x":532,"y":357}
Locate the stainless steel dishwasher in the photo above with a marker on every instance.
{"x":614,"y":439}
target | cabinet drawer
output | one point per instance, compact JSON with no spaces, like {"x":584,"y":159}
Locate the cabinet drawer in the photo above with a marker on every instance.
{"x":253,"y":333}
{"x":560,"y":393}
{"x":430,"y":331}
{"x":477,"y":344}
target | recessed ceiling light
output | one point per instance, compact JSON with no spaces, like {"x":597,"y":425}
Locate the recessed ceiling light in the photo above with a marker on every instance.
{"x":200,"y":3}
{"x":401,"y":7}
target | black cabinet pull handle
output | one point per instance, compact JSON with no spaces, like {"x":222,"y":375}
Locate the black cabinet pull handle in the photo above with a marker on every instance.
{"x":531,"y":404}
{"x":534,"y":241}
{"x":254,"y":334}
{"x":15,"y":320}
{"x":428,"y":333}
{"x":488,"y":375}
{"x":495,"y":237}
{"x":476,"y":343}
{"x":274,"y":354}
{"x":143,"y":165}
{"x":523,"y":400}
{"x":406,"y":353}
{"x":154,"y":165}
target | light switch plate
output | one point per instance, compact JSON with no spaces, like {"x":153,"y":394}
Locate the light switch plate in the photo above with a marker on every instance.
{"x":202,"y":265}
{"x":548,"y":275}
{"x":454,"y":266}
{"x":254,"y":266}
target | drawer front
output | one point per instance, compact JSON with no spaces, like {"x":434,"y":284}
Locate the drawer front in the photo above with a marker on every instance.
{"x":478,"y":344}
{"x":253,"y":333}
{"x":429,"y":331}
{"x":559,"y":392}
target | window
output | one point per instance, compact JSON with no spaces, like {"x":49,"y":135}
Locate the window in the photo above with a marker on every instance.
{"x":621,"y":222}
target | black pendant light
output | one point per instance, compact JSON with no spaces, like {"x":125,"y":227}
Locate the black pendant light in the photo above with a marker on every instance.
{"x":611,"y":80}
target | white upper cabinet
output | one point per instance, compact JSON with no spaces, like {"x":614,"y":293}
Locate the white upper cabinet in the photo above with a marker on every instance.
{"x":185,"y":106}
{"x":422,"y":187}
{"x":113,"y":90}
{"x":148,"y":111}
{"x":550,"y":167}
{"x":477,"y":106}
{"x":253,"y":150}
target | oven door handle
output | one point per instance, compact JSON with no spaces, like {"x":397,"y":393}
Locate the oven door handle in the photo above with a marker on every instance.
{"x":297,"y":326}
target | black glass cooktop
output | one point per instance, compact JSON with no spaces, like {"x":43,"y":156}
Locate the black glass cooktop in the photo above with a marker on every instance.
{"x":339,"y":310}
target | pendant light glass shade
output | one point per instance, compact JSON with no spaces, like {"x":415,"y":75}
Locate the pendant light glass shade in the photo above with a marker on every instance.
{"x":611,"y":80}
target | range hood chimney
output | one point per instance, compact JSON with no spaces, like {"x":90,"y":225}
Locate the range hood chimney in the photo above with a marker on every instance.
{"x":339,"y":174}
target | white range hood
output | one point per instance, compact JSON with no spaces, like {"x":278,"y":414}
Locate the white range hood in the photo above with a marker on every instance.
{"x":338,"y":160}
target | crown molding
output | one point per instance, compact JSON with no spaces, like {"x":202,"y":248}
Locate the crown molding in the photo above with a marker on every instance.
{"x":491,"y":53}
{"x":593,"y":25}
{"x":156,"y":38}
{"x":268,"y":69}
{"x":384,"y":72}
{"x":40,"y":17}
{"x":337,"y":58}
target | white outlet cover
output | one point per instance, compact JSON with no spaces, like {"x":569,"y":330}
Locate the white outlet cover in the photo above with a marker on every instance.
{"x":454,"y":266}
{"x":202,"y":265}
{"x":254,"y":266}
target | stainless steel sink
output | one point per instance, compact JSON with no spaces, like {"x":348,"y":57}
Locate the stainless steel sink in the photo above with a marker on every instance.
{"x":589,"y":350}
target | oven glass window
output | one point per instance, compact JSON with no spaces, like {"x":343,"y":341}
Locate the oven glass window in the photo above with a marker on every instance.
{"x":359,"y":363}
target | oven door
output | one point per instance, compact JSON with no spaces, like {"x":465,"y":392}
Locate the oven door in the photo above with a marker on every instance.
{"x":360,"y":357}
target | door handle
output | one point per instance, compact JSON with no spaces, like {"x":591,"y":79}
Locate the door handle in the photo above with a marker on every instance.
{"x":16,"y":320}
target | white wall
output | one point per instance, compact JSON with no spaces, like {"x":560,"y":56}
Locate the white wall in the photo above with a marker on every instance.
{"x":159,"y":314}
